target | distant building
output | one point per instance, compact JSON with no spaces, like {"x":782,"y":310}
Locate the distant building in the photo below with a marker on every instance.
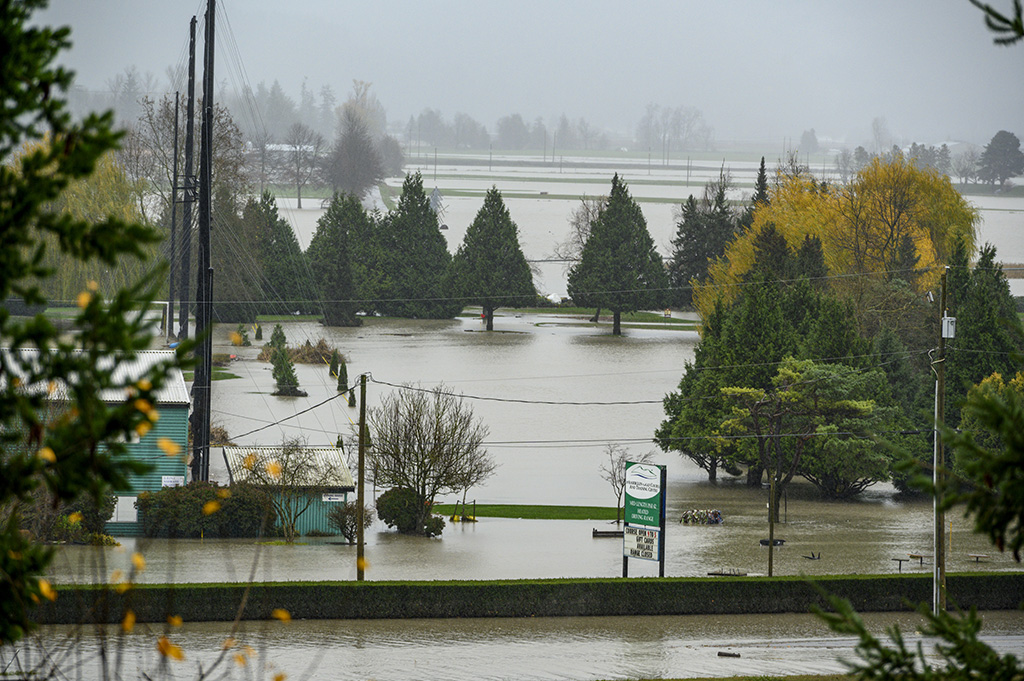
{"x":327,"y":485}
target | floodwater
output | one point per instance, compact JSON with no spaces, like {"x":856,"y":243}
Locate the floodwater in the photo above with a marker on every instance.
{"x":544,"y":649}
{"x":553,"y":395}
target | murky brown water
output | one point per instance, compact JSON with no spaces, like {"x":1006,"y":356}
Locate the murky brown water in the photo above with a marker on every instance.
{"x":545,"y":649}
{"x":548,"y":454}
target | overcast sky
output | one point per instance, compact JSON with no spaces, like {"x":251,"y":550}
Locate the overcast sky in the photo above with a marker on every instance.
{"x":757,"y":70}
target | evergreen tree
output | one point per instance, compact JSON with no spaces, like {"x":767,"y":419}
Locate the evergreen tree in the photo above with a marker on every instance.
{"x":619,"y":269}
{"x":343,"y":378}
{"x":1002,"y":159}
{"x":237,"y":287}
{"x":810,"y":262}
{"x":414,"y":259}
{"x":489,"y":268}
{"x":333,"y":369}
{"x":760,"y":198}
{"x":277,"y":337}
{"x":330,"y":260}
{"x":285,"y":282}
{"x":988,"y":333}
{"x":284,"y":374}
{"x":702,"y":232}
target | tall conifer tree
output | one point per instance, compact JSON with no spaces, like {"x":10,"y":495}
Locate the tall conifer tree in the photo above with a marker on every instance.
{"x":619,"y":269}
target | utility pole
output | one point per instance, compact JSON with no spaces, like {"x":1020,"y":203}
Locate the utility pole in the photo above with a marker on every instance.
{"x":173,"y":257}
{"x":189,"y":190}
{"x":947,"y":329}
{"x":204,"y":277}
{"x":360,"y":494}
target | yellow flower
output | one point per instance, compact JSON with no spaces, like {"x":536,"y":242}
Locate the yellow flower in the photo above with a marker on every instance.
{"x":138,"y":561}
{"x":144,"y":384}
{"x":116,"y":577}
{"x":128,"y":623}
{"x":240,"y":659}
{"x":174,"y":620}
{"x":280,"y":676}
{"x":274,"y":469}
{"x":121,"y":587}
{"x":46,"y":454}
{"x":92,"y":285}
{"x":249,"y":461}
{"x":362,"y":563}
{"x":168,"y":446}
{"x":143,"y":405}
{"x":224,"y":493}
{"x":236,"y":338}
{"x":75,"y":518}
{"x":83,"y":300}
{"x":47,"y":591}
{"x":281,"y":614}
{"x":229,"y":643}
{"x":153,"y":415}
{"x":211,"y":507}
{"x":51,"y":387}
{"x":168,"y":649}
{"x":143,"y":427}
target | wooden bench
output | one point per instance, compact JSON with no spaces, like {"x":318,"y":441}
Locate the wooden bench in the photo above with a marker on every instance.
{"x":977,"y":556}
{"x":920,"y":557}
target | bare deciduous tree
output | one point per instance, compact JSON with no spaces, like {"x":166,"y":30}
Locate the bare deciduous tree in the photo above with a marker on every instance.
{"x":304,"y":148}
{"x":293,"y":476}
{"x":614,"y":471}
{"x":427,"y":441}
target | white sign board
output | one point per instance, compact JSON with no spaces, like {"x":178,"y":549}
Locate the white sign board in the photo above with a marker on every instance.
{"x":333,"y":497}
{"x":640,"y":542}
{"x":172,"y":480}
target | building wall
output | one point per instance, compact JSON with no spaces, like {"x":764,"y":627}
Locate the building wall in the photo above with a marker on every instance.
{"x":165,"y":470}
{"x":315,"y":517}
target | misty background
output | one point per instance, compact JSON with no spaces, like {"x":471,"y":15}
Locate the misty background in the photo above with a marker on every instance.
{"x":760,"y":72}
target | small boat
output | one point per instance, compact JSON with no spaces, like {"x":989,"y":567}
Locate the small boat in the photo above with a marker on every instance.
{"x":776,"y":542}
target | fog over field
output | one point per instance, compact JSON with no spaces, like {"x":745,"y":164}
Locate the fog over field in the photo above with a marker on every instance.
{"x":756,"y":70}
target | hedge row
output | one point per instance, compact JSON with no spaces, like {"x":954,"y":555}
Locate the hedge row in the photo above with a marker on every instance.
{"x":525,"y":598}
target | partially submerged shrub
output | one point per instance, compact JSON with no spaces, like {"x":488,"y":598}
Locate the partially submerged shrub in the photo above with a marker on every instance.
{"x":203,"y":509}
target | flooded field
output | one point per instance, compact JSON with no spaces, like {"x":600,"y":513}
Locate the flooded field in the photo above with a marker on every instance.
{"x":541,"y":385}
{"x":542,"y":198}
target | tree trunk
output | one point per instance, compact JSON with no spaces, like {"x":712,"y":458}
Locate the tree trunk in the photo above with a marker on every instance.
{"x":616,"y":326}
{"x":713,"y":471}
{"x":489,"y":313}
{"x":298,"y":191}
{"x":755,"y":472}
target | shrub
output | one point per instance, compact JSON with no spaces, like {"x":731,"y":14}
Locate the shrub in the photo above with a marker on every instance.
{"x":178,"y":511}
{"x":343,"y":517}
{"x":398,"y":508}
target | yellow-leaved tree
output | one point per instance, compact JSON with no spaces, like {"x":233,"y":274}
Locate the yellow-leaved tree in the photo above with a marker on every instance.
{"x":894,"y":221}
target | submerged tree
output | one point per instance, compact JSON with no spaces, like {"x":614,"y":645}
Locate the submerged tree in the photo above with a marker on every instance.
{"x":489,"y":268}
{"x":619,"y":269}
{"x":412,"y":259}
{"x":614,"y":471}
{"x":330,"y":261}
{"x":426,"y":441}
